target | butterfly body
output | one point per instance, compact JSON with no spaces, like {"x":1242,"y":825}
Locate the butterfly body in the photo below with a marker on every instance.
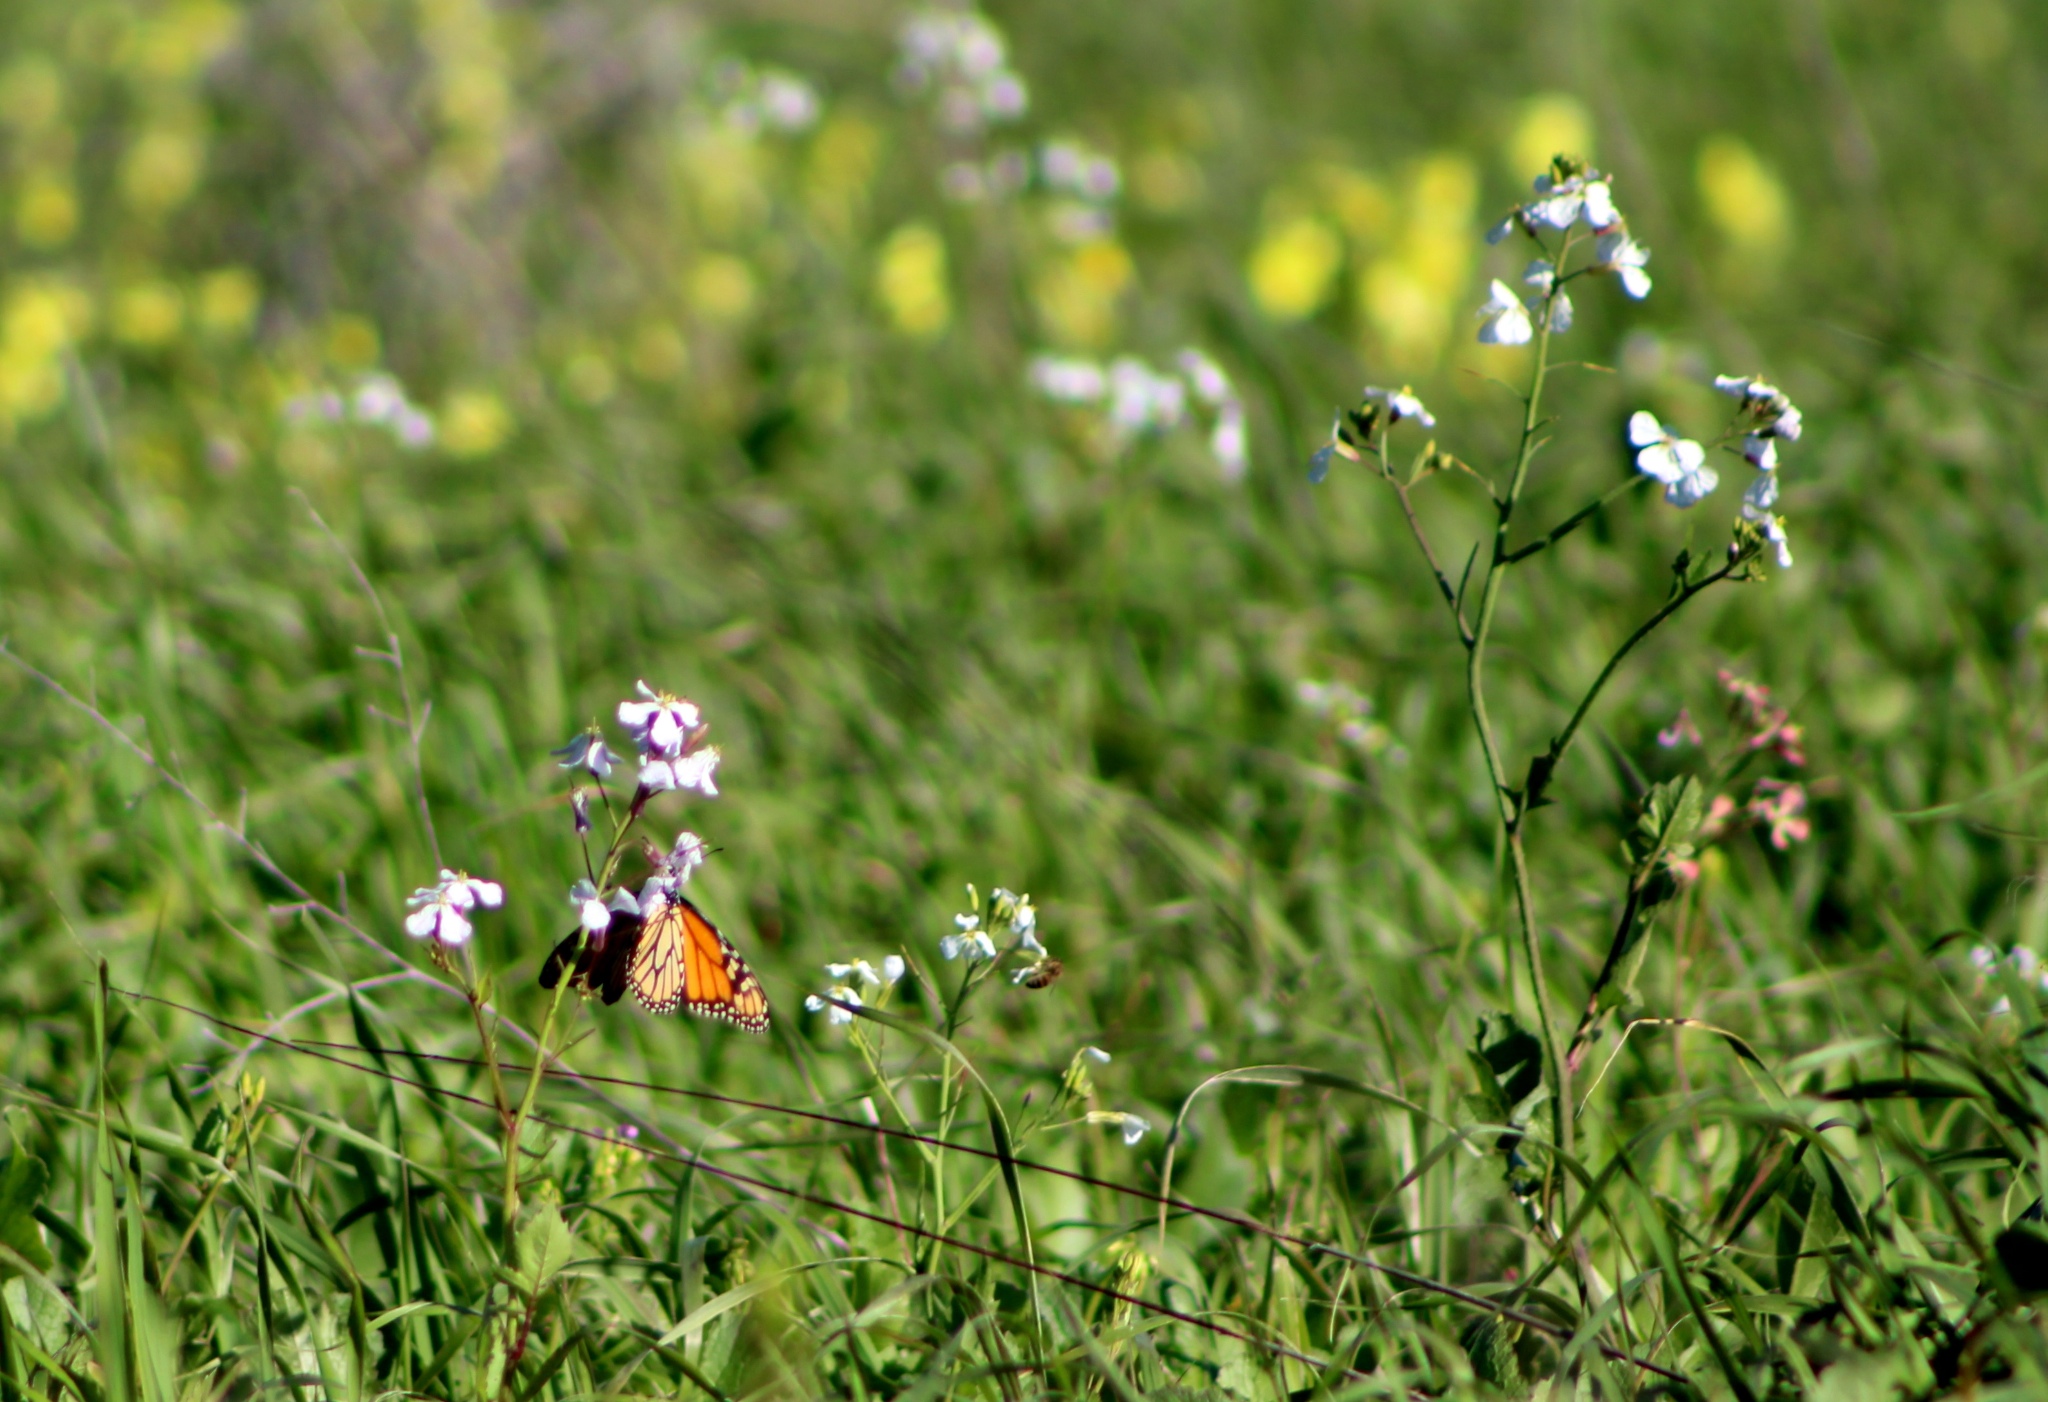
{"x":672,"y":957}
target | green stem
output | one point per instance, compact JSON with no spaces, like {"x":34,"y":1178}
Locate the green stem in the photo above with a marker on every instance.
{"x":519,"y":1118}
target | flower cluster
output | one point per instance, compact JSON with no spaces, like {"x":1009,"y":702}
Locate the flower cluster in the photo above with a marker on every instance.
{"x":838,"y":1001}
{"x":1350,"y":712}
{"x":441,"y":911}
{"x":1569,"y":195}
{"x":1140,"y":400}
{"x":1679,"y":463}
{"x":669,"y":732}
{"x":959,"y":57}
{"x":1766,"y":418}
{"x":1352,"y":432}
{"x":378,"y":400}
{"x":2020,"y":959}
{"x":1765,"y":726}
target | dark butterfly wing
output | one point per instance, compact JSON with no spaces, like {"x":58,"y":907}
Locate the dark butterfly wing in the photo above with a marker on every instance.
{"x":551,"y":970}
{"x":598,"y":970}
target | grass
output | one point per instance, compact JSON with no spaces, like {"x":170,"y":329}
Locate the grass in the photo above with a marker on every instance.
{"x":712,"y":413}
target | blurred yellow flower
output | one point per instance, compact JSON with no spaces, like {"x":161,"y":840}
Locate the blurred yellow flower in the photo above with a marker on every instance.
{"x":474,"y":97}
{"x":180,"y":39}
{"x":1359,"y":203}
{"x":161,"y":170}
{"x":1551,"y":124}
{"x":840,"y":167}
{"x":1742,"y":197}
{"x":1293,"y":268}
{"x":353,"y":342}
{"x":659,"y":353}
{"x":720,"y":170}
{"x":1077,"y":294}
{"x":910,"y":279}
{"x":588,"y":378}
{"x":38,"y":321}
{"x":226,"y":302}
{"x":31,"y":93}
{"x":721,"y":288}
{"x":474,"y":423}
{"x":146,"y":315}
{"x":1410,"y":296}
{"x":46,"y":210}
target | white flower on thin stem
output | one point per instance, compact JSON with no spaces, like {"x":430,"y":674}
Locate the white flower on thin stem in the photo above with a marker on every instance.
{"x":1621,"y":255}
{"x":860,"y":969}
{"x":974,"y":945}
{"x":685,"y":856}
{"x":1401,"y":404}
{"x":691,"y":771}
{"x":1761,"y":452}
{"x":587,"y":751}
{"x":441,"y":912}
{"x":1507,"y":320}
{"x":835,"y":1016}
{"x":1140,"y":400}
{"x":892,"y":968}
{"x":1541,"y":278}
{"x":661,"y":724}
{"x":378,"y":399}
{"x":1776,"y":416}
{"x":1761,"y":496}
{"x":1132,"y":1127}
{"x":1679,"y":463}
{"x":1096,"y":1055}
{"x":591,"y":913}
{"x":1229,"y":443}
{"x":1567,"y":201}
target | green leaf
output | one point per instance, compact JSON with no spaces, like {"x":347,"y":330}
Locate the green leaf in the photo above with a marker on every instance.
{"x":23,"y":1180}
{"x":544,"y":1247}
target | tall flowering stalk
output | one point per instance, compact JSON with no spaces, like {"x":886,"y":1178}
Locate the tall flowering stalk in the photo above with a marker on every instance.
{"x":1578,"y":232}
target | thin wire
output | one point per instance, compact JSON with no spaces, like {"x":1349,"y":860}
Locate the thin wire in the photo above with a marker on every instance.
{"x":1406,"y":1277}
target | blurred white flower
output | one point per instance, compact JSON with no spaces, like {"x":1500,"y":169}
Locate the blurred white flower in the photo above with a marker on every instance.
{"x":441,"y":912}
{"x":892,"y":968}
{"x":415,"y":427}
{"x":786,"y":102}
{"x":1679,"y":463}
{"x":1132,"y":1127}
{"x":378,"y":399}
{"x":1205,"y":377}
{"x":685,"y":856}
{"x":1507,"y":320}
{"x":660,"y":724}
{"x":1401,"y":404}
{"x":1776,"y":416}
{"x":692,"y":771}
{"x":1141,"y":400}
{"x":1096,"y":1055}
{"x":587,"y":751}
{"x":962,"y":181}
{"x":1068,"y":379}
{"x":961,"y":55}
{"x":1761,"y":496}
{"x":835,"y":1016}
{"x":975,"y":947}
{"x":1564,"y":202}
{"x":1541,"y":278}
{"x":1230,"y":444}
{"x":1621,"y":255}
{"x":859,"y":968}
{"x":1761,"y":452}
{"x":591,"y":913}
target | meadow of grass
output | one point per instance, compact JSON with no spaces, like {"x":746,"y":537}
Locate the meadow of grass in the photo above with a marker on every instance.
{"x":387,"y":386}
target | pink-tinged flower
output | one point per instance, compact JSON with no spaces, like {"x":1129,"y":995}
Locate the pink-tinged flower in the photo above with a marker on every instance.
{"x":661,"y":724}
{"x":690,"y":771}
{"x":1685,"y":869}
{"x":1779,"y":805}
{"x":441,"y":912}
{"x":1681,"y":731}
{"x":1721,"y":812}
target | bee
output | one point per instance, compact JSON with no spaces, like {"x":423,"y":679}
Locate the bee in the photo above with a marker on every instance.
{"x":1044,"y":974}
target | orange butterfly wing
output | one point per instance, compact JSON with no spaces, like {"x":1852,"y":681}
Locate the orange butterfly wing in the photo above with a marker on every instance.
{"x":682,"y":961}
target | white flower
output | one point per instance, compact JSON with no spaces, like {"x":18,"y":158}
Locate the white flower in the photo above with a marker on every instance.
{"x":692,"y":771}
{"x":1599,"y":209}
{"x":859,"y":968}
{"x":1541,"y":278}
{"x":441,"y":912}
{"x":1507,"y":320}
{"x":1140,"y":400}
{"x":967,"y":921}
{"x":787,"y":102}
{"x":378,"y":400}
{"x":975,"y":946}
{"x":1762,"y":452}
{"x":1229,"y":444}
{"x":1004,"y":97}
{"x":685,"y":856}
{"x":1132,"y":1127}
{"x":1068,"y":379}
{"x":1788,"y":424}
{"x":661,"y":724}
{"x":1679,"y":463}
{"x":892,"y":968}
{"x":1621,"y":255}
{"x":1210,"y":384}
{"x":1135,"y":1128}
{"x":1401,"y":404}
{"x":1776,"y":415}
{"x":1096,"y":1055}
{"x":415,"y":427}
{"x":835,"y":1016}
{"x":587,"y":751}
{"x":1761,"y":496}
{"x":1566,"y":201}
{"x":593,"y":914}
{"x":1983,"y":956}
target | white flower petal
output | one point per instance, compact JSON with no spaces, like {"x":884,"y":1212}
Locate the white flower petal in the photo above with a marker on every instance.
{"x":892,"y":968}
{"x":1600,"y":211}
{"x":421,"y":923}
{"x":1643,"y":429}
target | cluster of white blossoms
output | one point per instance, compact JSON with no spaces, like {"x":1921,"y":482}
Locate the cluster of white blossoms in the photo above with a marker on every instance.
{"x":2023,"y":962}
{"x":378,"y":401}
{"x":669,"y":732}
{"x":1568,"y":196}
{"x":961,"y":59}
{"x":441,"y":912}
{"x":1351,"y":714}
{"x":838,"y":1001}
{"x":1765,"y":418}
{"x":1140,"y":400}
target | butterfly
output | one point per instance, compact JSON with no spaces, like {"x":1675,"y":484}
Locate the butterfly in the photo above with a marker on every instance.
{"x":672,"y":957}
